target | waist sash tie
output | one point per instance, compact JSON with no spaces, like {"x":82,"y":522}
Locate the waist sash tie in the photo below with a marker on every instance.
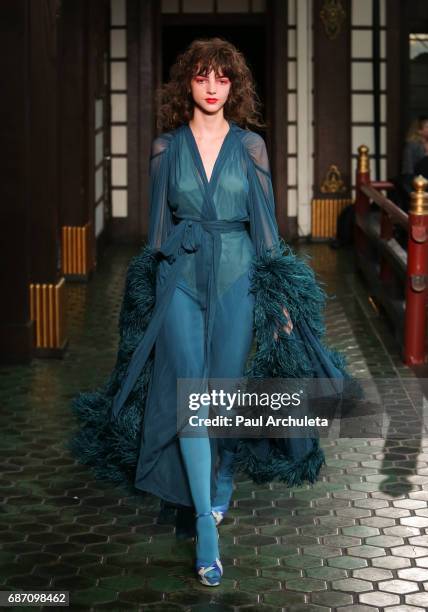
{"x":186,"y":237}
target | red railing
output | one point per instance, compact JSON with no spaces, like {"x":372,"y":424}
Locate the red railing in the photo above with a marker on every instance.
{"x":398,"y":279}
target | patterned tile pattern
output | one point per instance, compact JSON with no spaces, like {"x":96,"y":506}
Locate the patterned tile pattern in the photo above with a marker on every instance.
{"x":357,"y":540}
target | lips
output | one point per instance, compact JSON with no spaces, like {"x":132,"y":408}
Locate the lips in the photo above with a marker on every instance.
{"x":211,"y":100}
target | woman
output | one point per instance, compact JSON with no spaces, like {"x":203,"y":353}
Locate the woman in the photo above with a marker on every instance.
{"x":415,"y":153}
{"x":214,"y":277}
{"x":416,"y":147}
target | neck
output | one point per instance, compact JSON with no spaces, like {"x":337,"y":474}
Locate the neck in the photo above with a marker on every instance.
{"x":208,"y":125}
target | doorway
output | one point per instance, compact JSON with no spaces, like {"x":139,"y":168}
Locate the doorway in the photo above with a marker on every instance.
{"x":154,"y":39}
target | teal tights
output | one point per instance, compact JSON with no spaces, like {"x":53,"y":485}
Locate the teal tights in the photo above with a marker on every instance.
{"x":231,"y":343}
{"x":196,"y":454}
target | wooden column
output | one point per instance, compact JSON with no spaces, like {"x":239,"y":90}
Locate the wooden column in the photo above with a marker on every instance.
{"x":277,"y":111}
{"x":74,"y":160}
{"x":43,"y":140}
{"x":332,"y":114}
{"x":32,"y":305}
{"x":81,"y":46}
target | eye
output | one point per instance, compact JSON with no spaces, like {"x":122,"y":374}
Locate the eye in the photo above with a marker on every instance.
{"x":224,"y":81}
{"x":200,"y":80}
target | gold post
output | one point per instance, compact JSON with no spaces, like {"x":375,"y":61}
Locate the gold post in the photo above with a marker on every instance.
{"x":363,"y":159}
{"x":419,"y":197}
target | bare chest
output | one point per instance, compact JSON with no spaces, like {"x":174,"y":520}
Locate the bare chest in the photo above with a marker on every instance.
{"x":209,"y":152}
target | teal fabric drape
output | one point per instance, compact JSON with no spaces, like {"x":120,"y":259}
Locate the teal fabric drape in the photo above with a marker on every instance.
{"x":213,"y":251}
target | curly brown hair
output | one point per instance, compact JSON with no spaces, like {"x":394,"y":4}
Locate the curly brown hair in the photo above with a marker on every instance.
{"x":175,"y":101}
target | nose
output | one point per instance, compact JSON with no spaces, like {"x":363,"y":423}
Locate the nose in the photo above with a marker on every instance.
{"x":211,"y":89}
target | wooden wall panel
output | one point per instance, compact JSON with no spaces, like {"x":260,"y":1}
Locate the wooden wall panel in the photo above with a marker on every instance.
{"x":332,"y":99}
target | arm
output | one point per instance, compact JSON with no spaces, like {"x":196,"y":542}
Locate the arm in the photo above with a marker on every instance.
{"x":160,"y":220}
{"x":264,"y":228}
{"x":263,"y":224}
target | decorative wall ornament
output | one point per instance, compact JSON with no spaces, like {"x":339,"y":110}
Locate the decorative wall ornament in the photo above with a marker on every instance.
{"x":333,"y":181}
{"x":332,"y":15}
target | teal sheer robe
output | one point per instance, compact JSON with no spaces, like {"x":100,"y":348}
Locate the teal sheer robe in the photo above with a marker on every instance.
{"x":217,"y":243}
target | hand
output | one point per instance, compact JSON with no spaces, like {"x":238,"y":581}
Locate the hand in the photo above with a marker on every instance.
{"x":288,"y":327}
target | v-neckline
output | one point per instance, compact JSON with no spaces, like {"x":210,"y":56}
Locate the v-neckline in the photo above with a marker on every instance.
{"x":199,"y":156}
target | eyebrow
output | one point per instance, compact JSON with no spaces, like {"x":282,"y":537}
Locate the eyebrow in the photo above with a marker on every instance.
{"x":219,"y":76}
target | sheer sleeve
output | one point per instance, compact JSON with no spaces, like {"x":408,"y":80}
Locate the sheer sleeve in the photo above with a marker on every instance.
{"x":263,"y":225}
{"x":160,"y":220}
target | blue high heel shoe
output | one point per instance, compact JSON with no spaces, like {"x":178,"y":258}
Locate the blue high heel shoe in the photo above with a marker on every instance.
{"x":210,"y":574}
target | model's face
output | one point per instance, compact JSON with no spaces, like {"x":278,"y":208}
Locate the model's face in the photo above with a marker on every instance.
{"x":210,"y":92}
{"x":424,"y":130}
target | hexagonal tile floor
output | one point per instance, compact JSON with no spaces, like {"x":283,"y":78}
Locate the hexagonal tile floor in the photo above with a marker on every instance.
{"x":357,"y":540}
